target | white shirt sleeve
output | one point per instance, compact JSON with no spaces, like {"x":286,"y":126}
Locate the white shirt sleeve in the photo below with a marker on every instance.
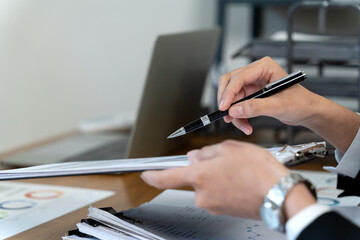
{"x":295,"y":225}
{"x":349,"y":163}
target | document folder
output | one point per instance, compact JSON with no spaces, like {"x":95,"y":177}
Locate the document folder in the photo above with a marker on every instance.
{"x":287,"y":155}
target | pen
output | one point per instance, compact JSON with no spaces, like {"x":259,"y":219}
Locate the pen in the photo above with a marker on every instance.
{"x":267,"y":91}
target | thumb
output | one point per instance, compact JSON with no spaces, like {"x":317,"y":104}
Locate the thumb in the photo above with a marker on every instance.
{"x":254,"y":108}
{"x":170,"y":178}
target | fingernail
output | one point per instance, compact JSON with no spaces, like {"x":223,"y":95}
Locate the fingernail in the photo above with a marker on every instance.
{"x":227,"y":119}
{"x":245,"y":130}
{"x":221,"y":104}
{"x":241,"y":110}
{"x":144,"y":175}
{"x":192,"y":153}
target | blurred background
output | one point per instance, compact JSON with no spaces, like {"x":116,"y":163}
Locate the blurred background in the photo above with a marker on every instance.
{"x":64,"y":61}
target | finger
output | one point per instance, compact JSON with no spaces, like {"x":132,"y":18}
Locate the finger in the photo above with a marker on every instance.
{"x":235,"y":84}
{"x":256,"y":107}
{"x":223,"y":82}
{"x":171,"y":178}
{"x":231,"y":90}
{"x":243,"y":125}
{"x":228,"y":119}
{"x":192,"y":155}
{"x":207,"y":153}
{"x":265,"y":69}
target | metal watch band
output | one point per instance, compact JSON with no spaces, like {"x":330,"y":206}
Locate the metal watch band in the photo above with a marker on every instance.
{"x":277,"y":195}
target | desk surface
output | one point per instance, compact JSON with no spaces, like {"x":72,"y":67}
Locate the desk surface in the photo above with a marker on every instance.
{"x":130,"y":191}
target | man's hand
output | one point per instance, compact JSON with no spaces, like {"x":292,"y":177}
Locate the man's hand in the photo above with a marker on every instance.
{"x":229,"y":178}
{"x":290,"y":106}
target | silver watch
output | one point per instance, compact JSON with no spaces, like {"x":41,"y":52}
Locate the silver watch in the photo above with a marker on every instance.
{"x":271,"y":210}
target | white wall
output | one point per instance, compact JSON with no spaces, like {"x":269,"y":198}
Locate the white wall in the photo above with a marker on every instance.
{"x":62,"y":61}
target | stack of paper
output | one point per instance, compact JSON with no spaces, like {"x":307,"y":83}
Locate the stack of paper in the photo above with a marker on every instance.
{"x":174,"y":215}
{"x":171,"y":215}
{"x":288,"y":155}
{"x":95,"y":167}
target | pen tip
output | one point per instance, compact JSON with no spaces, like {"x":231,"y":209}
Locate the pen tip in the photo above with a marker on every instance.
{"x":177,"y":133}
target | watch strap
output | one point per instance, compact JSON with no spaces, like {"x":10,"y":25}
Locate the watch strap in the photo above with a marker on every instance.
{"x":278,"y":192}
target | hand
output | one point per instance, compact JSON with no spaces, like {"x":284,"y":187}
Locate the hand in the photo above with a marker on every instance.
{"x":294,"y":106}
{"x":229,"y":178}
{"x":290,"y":106}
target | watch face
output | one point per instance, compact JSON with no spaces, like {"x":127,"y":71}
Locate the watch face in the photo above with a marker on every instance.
{"x":270,"y":215}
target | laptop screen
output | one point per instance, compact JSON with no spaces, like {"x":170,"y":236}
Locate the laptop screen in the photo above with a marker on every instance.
{"x":173,"y":91}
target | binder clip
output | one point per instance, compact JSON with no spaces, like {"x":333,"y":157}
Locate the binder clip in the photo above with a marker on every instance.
{"x":304,"y":152}
{"x":128,"y":219}
{"x":122,"y":216}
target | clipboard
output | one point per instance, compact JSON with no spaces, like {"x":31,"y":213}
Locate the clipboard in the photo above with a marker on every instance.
{"x":291,"y":155}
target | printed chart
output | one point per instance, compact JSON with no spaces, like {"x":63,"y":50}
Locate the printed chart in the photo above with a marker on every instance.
{"x":327,"y":193}
{"x":25,"y":205}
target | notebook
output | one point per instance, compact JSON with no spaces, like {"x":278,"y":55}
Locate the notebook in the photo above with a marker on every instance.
{"x":171,"y":96}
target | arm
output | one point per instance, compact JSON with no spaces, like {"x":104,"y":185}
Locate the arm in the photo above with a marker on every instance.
{"x":222,"y":173}
{"x":330,"y":226}
{"x":294,"y":106}
{"x":233,"y":178}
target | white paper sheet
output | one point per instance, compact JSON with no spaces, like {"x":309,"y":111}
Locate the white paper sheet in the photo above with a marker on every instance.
{"x":283,"y":154}
{"x":26,"y":205}
{"x":174,"y":215}
{"x":325,"y":183}
{"x":95,"y":167}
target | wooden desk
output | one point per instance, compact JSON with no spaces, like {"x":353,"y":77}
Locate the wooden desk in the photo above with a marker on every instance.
{"x":130,"y":191}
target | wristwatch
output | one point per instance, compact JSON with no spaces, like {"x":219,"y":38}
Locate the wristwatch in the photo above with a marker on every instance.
{"x":271,"y":210}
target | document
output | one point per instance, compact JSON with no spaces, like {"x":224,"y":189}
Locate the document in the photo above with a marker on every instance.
{"x":95,"y":167}
{"x":26,"y":205}
{"x":327,"y":193}
{"x":174,"y":215}
{"x":288,"y":155}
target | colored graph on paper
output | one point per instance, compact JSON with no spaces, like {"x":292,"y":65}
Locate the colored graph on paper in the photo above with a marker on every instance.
{"x":26,"y":205}
{"x":325,"y":183}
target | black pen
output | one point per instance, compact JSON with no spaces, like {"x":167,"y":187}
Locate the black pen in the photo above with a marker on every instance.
{"x":267,"y":91}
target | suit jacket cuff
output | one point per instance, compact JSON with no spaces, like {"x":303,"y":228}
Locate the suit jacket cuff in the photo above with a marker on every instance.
{"x":295,"y":225}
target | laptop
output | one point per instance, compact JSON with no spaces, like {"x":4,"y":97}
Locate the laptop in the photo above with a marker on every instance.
{"x":171,"y":97}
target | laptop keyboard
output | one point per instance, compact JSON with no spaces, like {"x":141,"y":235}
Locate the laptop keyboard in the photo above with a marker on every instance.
{"x":113,"y":150}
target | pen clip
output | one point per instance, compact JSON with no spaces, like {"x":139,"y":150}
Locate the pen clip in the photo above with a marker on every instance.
{"x":282,"y":80}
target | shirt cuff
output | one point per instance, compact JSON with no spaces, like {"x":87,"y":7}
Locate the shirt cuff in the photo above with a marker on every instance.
{"x":349,"y":164}
{"x":295,"y":225}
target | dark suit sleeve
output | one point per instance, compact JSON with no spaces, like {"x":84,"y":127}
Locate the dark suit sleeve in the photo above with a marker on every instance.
{"x":330,"y":226}
{"x":351,"y":186}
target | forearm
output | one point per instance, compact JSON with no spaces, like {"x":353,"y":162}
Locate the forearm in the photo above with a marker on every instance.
{"x":300,"y":210}
{"x":335,"y":123}
{"x":297,"y":199}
